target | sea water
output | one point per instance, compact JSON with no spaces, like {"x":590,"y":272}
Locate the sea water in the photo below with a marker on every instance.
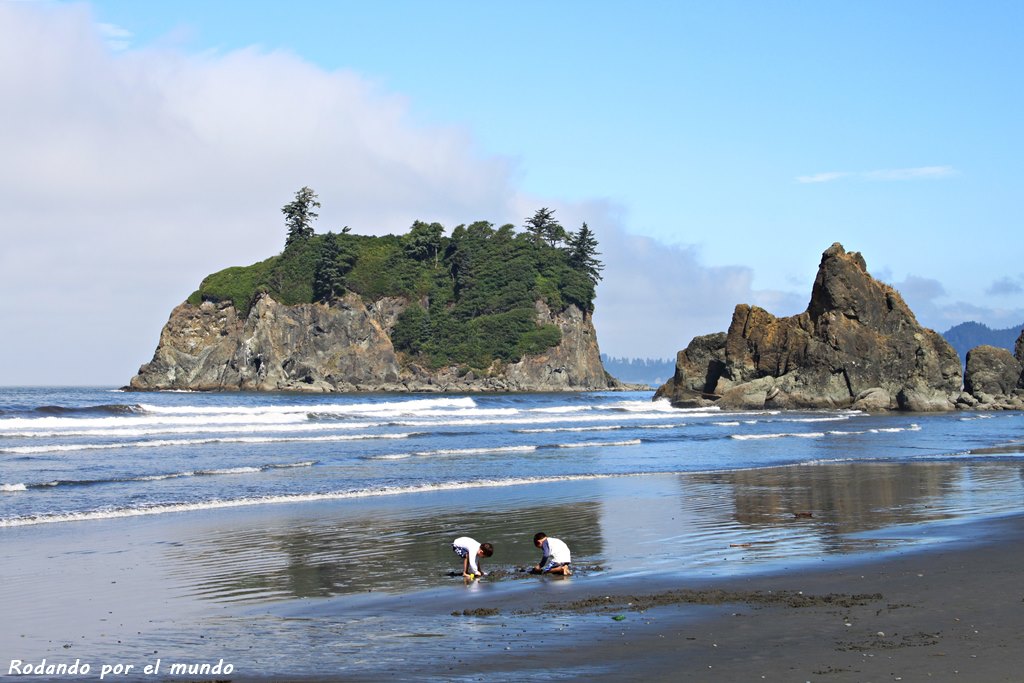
{"x":86,"y":454}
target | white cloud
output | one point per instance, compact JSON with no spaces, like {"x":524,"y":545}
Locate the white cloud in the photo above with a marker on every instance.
{"x":127,"y":176}
{"x":884,"y":175}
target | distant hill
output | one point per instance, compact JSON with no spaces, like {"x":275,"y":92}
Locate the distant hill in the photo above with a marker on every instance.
{"x":966,"y":336}
{"x":652,"y":371}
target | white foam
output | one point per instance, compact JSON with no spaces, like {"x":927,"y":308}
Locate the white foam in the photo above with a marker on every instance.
{"x":877,"y":430}
{"x":11,"y":488}
{"x":561,"y":409}
{"x":231,"y":470}
{"x":159,"y":443}
{"x":131,"y":431}
{"x":662,"y":405}
{"x":478,"y":451}
{"x":599,"y":444}
{"x":19,"y":424}
{"x":191,"y":415}
{"x":410,"y":405}
{"x":801,"y":435}
{"x":552,"y":430}
{"x":161,"y":477}
{"x":189,"y":473}
{"x":835,"y":432}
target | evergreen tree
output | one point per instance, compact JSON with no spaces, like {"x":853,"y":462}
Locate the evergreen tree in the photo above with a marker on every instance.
{"x":299,"y":216}
{"x":424,"y":241}
{"x":544,"y":228}
{"x":334,"y":261}
{"x":582,"y":254}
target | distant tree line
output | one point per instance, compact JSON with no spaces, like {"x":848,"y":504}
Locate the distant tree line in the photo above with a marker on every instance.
{"x":472,"y":293}
{"x":966,"y":336}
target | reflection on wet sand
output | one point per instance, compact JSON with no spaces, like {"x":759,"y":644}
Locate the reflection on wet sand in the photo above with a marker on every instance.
{"x":340,"y":553}
{"x":855,"y":497}
{"x":720,"y":522}
{"x":803,"y":510}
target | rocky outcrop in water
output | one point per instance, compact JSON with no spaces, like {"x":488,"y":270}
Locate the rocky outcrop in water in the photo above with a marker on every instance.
{"x":994,"y":378}
{"x":857,"y":345}
{"x":345,"y":346}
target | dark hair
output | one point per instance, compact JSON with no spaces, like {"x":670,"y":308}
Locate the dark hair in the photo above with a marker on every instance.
{"x":487,"y":548}
{"x":540,"y":535}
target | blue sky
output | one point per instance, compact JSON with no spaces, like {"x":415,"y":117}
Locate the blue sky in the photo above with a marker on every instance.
{"x":715,"y":148}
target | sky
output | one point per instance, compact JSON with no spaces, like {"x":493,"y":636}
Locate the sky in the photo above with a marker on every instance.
{"x":715,"y":149}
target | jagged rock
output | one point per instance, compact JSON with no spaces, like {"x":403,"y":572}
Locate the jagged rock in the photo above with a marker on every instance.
{"x":965,"y":401}
{"x":995,"y":378}
{"x":345,"y":346}
{"x":703,"y":357}
{"x":873,"y":400}
{"x":857,"y":340}
{"x":991,"y":370}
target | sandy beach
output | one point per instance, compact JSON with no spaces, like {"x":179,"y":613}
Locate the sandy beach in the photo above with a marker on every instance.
{"x":844,"y":572}
{"x":952,"y":612}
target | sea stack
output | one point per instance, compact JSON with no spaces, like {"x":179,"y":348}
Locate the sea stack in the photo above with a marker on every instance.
{"x":994,"y":378}
{"x":858,"y":345}
{"x":346,"y":346}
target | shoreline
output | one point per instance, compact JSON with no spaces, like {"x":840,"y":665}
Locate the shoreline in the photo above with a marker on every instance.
{"x":953,"y":611}
{"x":751,"y":573}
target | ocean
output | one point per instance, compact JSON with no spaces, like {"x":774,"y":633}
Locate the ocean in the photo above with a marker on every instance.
{"x":133,"y":522}
{"x":89,"y":454}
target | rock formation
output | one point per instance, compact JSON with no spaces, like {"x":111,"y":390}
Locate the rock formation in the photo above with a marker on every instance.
{"x":345,"y":346}
{"x":994,"y":378}
{"x":857,"y":345}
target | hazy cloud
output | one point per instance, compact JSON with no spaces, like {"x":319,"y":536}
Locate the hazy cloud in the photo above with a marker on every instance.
{"x":927,"y":298}
{"x":886,"y":174}
{"x":921,"y":288}
{"x":656,"y":297}
{"x":1005,"y":286}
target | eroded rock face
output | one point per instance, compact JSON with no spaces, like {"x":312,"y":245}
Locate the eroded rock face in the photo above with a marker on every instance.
{"x":856,"y":345}
{"x":991,"y":370}
{"x":994,"y":378}
{"x":344,"y":346}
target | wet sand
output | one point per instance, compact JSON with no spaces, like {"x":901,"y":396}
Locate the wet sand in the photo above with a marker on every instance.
{"x":853,"y":572}
{"x":951,"y":612}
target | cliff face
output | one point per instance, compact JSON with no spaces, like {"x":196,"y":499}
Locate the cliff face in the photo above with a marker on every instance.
{"x":857,"y":344}
{"x":344,"y":346}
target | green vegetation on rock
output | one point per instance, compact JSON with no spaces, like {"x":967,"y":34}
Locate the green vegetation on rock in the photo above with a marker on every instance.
{"x":471,"y":295}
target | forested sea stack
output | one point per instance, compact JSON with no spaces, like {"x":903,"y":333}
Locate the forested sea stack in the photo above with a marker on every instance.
{"x":857,"y":345}
{"x":486,"y":309}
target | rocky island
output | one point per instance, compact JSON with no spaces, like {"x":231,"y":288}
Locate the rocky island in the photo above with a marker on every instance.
{"x":486,"y":309}
{"x":858,"y":345}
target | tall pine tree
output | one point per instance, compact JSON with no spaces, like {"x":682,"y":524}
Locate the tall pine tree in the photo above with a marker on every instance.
{"x":582,"y":254}
{"x":299,"y":216}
